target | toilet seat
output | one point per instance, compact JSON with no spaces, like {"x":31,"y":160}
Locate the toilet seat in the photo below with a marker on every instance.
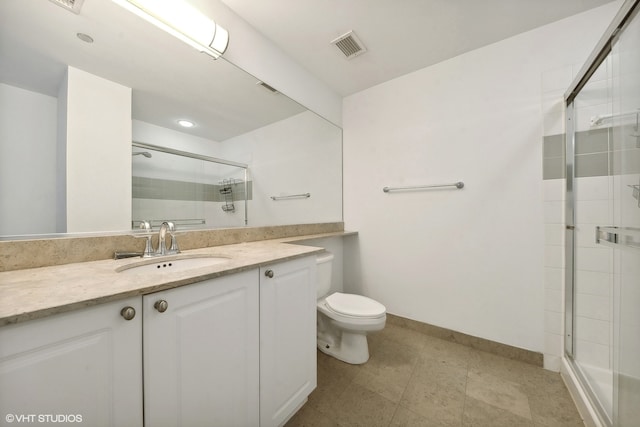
{"x":354,"y":305}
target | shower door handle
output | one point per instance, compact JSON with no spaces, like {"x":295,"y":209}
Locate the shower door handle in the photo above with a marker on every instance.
{"x":622,"y":236}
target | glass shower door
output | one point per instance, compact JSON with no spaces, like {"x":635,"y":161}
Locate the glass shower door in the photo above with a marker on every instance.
{"x":625,"y":164}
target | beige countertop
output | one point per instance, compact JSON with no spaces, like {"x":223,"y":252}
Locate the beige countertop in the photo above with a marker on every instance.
{"x":39,"y":292}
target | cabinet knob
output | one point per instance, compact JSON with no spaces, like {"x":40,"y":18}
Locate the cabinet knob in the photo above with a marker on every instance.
{"x":161,"y":305}
{"x":269,"y":273}
{"x":128,"y":313}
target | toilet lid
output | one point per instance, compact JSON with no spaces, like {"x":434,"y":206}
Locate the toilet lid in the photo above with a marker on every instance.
{"x":355,"y":305}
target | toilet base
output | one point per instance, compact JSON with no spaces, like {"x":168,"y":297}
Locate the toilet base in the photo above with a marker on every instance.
{"x":349,"y":347}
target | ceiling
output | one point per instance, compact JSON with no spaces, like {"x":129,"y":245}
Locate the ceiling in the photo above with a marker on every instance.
{"x":172,"y":81}
{"x":401,"y":35}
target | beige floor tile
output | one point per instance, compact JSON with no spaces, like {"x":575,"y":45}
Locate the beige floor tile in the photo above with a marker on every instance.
{"x":389,"y":369}
{"x":401,"y":335}
{"x":436,"y":391}
{"x":554,"y":410}
{"x":502,"y":394}
{"x":308,"y":416}
{"x":406,"y":418}
{"x":446,"y":352}
{"x":511,"y":370}
{"x":334,"y":376}
{"x":359,"y":407}
{"x":415,"y":380}
{"x":480,"y":414}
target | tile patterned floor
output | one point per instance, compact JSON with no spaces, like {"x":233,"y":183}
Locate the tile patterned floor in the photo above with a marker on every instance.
{"x":415,"y":380}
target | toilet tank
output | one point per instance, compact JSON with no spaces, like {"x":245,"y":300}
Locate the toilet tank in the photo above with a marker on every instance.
{"x":324,"y":262}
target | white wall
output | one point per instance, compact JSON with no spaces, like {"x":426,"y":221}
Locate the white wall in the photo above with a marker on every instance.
{"x":27,"y":174}
{"x":469,"y":260}
{"x":98,"y":148}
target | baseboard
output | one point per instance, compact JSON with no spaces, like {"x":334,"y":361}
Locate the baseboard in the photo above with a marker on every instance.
{"x":504,"y":350}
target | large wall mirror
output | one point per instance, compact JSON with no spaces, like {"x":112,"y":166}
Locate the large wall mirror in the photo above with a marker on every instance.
{"x":293,"y":161}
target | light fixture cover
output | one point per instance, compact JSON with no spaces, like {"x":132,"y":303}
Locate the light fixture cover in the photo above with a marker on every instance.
{"x":180,"y":19}
{"x":186,"y":123}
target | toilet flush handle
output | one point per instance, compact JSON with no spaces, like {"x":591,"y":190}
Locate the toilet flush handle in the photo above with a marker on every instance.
{"x":269,"y":273}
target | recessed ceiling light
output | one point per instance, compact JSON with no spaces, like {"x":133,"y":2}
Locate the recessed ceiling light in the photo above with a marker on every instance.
{"x":85,"y":37}
{"x":186,"y":123}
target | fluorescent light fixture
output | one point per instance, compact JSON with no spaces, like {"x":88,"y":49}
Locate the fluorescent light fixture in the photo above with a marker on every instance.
{"x":183,"y":21}
{"x":186,"y":123}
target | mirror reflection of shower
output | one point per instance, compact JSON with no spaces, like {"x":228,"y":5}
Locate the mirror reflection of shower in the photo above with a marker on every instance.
{"x":143,"y":153}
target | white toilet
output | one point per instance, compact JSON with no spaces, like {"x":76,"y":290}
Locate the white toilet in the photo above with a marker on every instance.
{"x":345,"y":319}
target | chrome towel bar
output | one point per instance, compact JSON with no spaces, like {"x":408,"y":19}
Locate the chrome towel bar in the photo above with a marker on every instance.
{"x":458,"y":185}
{"x":292,"y":196}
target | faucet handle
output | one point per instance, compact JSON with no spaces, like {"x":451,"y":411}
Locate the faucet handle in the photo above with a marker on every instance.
{"x":148,"y":249}
{"x":174,"y":249}
{"x":145,"y":225}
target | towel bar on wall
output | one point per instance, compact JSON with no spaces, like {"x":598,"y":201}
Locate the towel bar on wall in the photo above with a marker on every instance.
{"x":292,"y":196}
{"x":458,"y":185}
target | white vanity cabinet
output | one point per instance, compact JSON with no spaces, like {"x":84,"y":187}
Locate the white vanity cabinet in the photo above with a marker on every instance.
{"x":201,"y":355}
{"x":237,"y":350}
{"x":287,"y":338}
{"x":80,"y":367}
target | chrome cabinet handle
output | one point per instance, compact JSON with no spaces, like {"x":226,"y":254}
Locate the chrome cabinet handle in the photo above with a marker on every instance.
{"x":269,"y":273}
{"x":161,"y":305}
{"x":128,"y":313}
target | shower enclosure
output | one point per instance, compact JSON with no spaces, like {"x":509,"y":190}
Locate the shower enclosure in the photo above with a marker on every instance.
{"x":602,"y":287}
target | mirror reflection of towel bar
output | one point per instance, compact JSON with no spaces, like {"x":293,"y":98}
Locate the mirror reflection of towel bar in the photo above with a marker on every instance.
{"x":292,"y":196}
{"x":458,"y":185}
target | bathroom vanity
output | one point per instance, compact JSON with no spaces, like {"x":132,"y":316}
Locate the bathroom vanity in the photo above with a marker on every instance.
{"x":116,"y":343}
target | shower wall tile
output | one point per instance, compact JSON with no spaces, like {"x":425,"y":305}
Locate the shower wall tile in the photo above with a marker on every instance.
{"x":553,"y":212}
{"x":594,"y":93}
{"x":593,"y":354}
{"x":554,"y":278}
{"x":594,"y":283}
{"x":593,"y":330}
{"x":554,"y":234}
{"x":554,"y":256}
{"x":593,"y":306}
{"x":553,"y":165}
{"x":625,"y":162}
{"x":554,"y":168}
{"x":553,"y":301}
{"x":592,"y":212}
{"x":585,"y":236}
{"x":553,"y":189}
{"x":596,"y":164}
{"x":592,"y":141}
{"x":593,"y":259}
{"x":553,"y":322}
{"x":553,"y":113}
{"x":593,"y":188}
{"x":554,"y":342}
{"x":557,"y":79}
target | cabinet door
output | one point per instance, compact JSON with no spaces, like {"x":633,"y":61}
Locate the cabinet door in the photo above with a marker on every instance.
{"x":287,"y":338}
{"x":81,"y":367}
{"x":201,"y":356}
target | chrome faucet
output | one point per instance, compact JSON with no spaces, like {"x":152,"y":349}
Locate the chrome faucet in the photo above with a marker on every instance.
{"x":167,"y":227}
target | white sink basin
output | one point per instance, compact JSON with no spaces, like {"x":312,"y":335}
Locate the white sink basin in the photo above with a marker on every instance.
{"x":171,"y":264}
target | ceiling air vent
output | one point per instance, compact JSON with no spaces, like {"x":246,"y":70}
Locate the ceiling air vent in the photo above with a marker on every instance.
{"x":72,"y":5}
{"x":350,"y":45}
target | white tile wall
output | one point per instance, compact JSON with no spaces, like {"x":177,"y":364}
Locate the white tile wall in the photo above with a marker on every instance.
{"x":594,"y":268}
{"x":553,"y":203}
